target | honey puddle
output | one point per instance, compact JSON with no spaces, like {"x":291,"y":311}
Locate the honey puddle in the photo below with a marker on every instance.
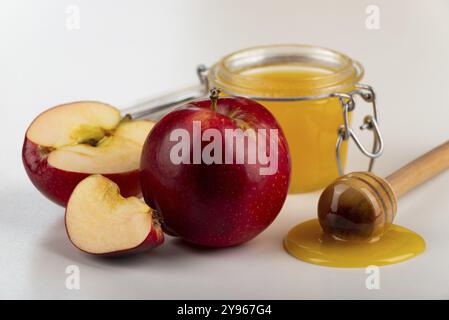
{"x":307,"y":242}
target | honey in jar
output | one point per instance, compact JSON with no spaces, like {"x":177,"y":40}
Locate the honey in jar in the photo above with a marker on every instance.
{"x":310,"y":120}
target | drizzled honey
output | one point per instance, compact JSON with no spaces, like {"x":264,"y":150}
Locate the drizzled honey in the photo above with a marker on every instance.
{"x":307,"y":242}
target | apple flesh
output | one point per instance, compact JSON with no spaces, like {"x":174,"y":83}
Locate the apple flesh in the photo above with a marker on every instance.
{"x":67,"y":143}
{"x":100,"y":221}
{"x":213,"y":205}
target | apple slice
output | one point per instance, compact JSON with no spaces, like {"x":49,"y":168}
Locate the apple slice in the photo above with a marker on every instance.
{"x":67,"y":143}
{"x":100,"y":221}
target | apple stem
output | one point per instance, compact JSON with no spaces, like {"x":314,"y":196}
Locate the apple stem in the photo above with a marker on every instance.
{"x":213,"y":96}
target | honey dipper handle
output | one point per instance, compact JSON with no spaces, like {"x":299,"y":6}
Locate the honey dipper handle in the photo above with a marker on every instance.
{"x":420,"y":170}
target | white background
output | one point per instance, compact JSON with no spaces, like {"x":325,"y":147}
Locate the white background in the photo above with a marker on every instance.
{"x":127,"y":50}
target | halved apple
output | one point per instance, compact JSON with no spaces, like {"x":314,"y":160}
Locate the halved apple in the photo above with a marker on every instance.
{"x":67,"y":143}
{"x":100,"y":221}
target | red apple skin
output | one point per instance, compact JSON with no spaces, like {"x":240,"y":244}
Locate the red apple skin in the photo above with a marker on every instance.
{"x":154,"y":239}
{"x":217,"y":205}
{"x":57,"y":185}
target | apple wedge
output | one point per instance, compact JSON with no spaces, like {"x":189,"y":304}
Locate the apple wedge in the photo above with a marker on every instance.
{"x":67,"y":143}
{"x":100,"y":221}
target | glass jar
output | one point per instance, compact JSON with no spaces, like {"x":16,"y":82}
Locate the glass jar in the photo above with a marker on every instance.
{"x":311,"y":125}
{"x":310,"y":91}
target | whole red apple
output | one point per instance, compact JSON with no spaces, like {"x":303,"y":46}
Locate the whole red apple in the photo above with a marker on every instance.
{"x":210,"y":190}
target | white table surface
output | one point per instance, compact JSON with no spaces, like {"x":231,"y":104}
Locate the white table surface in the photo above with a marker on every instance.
{"x":128,"y":50}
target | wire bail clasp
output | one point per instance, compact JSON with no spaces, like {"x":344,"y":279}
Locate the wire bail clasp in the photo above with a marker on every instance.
{"x":370,"y":122}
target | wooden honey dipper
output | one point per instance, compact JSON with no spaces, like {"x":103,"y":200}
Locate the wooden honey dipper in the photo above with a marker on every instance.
{"x":362,"y":206}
